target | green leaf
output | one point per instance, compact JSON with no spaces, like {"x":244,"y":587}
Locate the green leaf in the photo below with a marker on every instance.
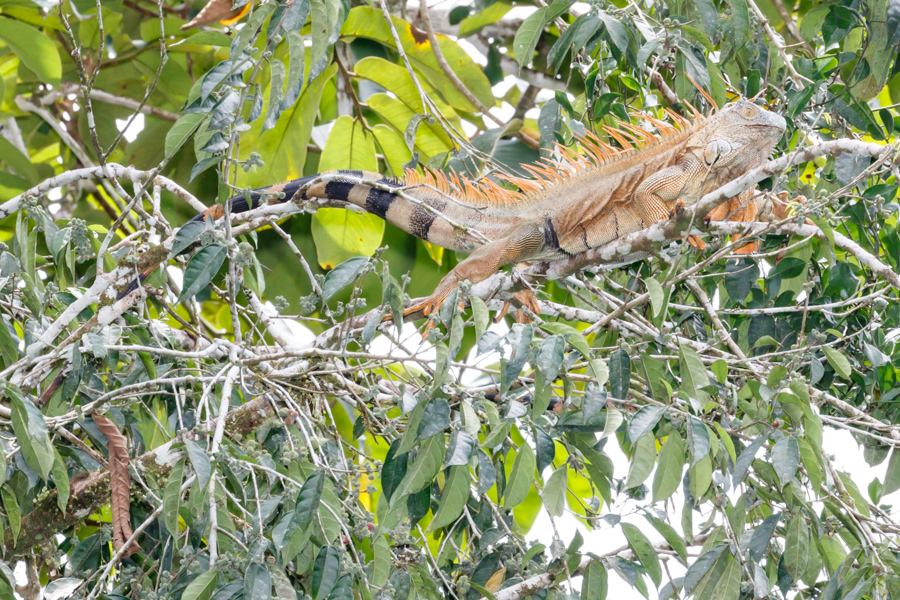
{"x":61,"y":479}
{"x":720,"y":370}
{"x":394,"y":469}
{"x":527,"y":36}
{"x":462,"y":444}
{"x":838,"y":362}
{"x":520,"y":341}
{"x":201,"y":269}
{"x":796,"y":547}
{"x":181,"y":132}
{"x":341,"y":234}
{"x":342,"y":275}
{"x":324,"y":18}
{"x":643,"y":421}
{"x":729,"y":585}
{"x":257,"y":582}
{"x":186,"y":235}
{"x":396,"y":154}
{"x":368,"y":22}
{"x":554,"y":492}
{"x":698,"y":440}
{"x":643,"y":458}
{"x":383,"y":562}
{"x":33,"y":48}
{"x":31,"y":434}
{"x":693,"y":374}
{"x":172,"y":498}
{"x":594,"y":584}
{"x":202,"y":587}
{"x":423,"y":470}
{"x":276,"y":91}
{"x":308,"y":501}
{"x":284,"y":147}
{"x":14,"y":158}
{"x":657,"y":295}
{"x":550,"y":357}
{"x":619,"y":374}
{"x":325,"y":572}
{"x":475,"y":23}
{"x":745,"y":459}
{"x":759,"y":541}
{"x":395,"y":78}
{"x":480,"y":315}
{"x":435,"y":419}
{"x":672,"y":537}
{"x":9,"y":344}
{"x":13,"y":512}
{"x":671,"y":464}
{"x":453,"y":498}
{"x":701,"y":567}
{"x":520,"y":478}
{"x":786,"y":459}
{"x":892,"y":475}
{"x":200,"y":463}
{"x":643,"y":549}
{"x":701,"y":476}
{"x":740,"y":22}
{"x":343,"y":589}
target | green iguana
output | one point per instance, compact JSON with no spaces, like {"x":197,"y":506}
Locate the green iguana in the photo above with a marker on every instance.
{"x":579,"y":202}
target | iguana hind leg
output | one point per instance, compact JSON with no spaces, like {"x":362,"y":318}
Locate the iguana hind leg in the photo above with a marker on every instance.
{"x":521,"y":243}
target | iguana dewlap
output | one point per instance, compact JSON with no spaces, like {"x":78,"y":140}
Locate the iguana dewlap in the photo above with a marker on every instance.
{"x":578,"y":202}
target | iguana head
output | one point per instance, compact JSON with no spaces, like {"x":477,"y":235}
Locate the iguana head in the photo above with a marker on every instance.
{"x":738,"y":138}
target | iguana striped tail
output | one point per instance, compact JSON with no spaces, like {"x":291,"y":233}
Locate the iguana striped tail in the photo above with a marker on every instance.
{"x":425,"y":208}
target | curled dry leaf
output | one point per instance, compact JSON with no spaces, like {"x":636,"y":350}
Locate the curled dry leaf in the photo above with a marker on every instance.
{"x":120,"y":484}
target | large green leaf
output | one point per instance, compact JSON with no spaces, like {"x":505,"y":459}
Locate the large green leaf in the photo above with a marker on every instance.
{"x":202,"y":587}
{"x":33,"y":48}
{"x":367,"y":22}
{"x":340,"y":234}
{"x":644,"y":550}
{"x":423,"y":470}
{"x":528,"y":35}
{"x":431,"y":140}
{"x":671,"y":464}
{"x":284,"y":147}
{"x":521,"y":477}
{"x":31,"y":434}
{"x":554,"y":492}
{"x":453,"y":498}
{"x":201,"y":269}
{"x":395,"y":78}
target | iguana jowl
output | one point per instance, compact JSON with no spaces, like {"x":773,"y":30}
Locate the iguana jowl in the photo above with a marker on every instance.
{"x":572,"y":205}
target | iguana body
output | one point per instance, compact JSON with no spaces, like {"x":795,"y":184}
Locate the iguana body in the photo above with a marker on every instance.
{"x":579,"y":203}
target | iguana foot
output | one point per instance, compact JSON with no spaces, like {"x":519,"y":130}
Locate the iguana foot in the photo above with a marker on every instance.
{"x":696,"y":242}
{"x":748,"y":248}
{"x":527,"y":299}
{"x":677,"y":209}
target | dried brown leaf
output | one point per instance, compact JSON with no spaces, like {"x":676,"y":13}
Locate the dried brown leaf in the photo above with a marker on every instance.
{"x":120,"y":483}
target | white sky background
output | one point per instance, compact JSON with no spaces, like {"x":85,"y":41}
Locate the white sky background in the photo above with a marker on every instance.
{"x":847,"y":455}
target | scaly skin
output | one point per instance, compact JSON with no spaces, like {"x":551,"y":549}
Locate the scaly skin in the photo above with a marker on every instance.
{"x":582,"y":202}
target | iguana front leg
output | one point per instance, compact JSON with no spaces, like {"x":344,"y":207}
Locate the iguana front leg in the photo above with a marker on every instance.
{"x":519,"y":244}
{"x":661,"y":193}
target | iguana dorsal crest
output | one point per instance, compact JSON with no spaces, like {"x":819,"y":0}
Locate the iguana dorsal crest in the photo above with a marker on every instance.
{"x":550,"y":172}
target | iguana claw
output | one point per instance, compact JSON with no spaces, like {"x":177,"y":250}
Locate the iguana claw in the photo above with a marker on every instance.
{"x":527,"y":299}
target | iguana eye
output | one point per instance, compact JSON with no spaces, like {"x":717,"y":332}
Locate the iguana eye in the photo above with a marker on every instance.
{"x":750,"y":111}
